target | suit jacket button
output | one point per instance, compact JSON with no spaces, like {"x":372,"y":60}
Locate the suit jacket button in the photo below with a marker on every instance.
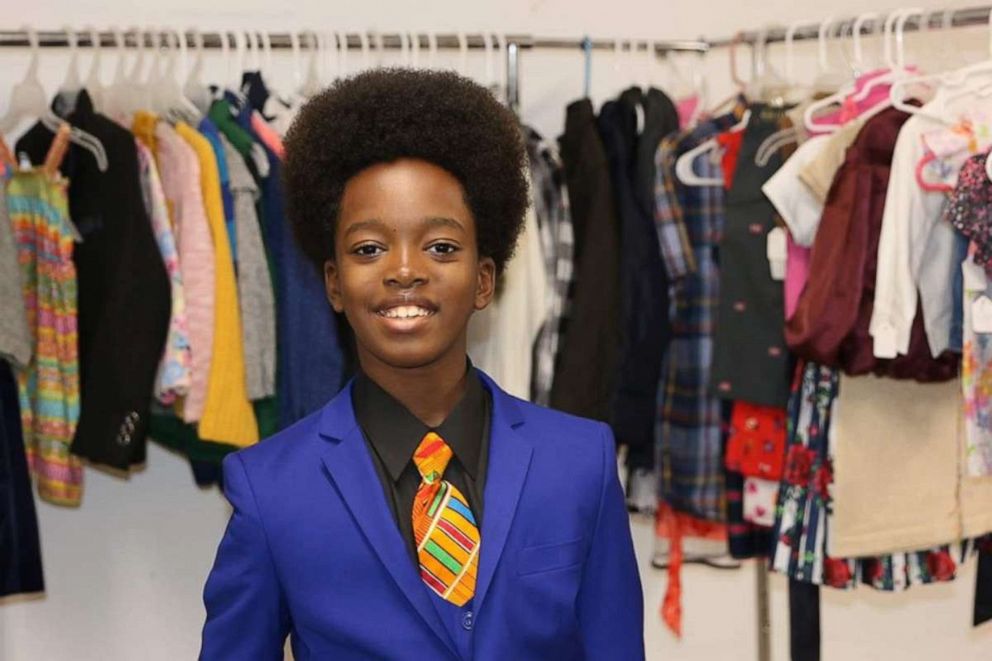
{"x":467,"y":621}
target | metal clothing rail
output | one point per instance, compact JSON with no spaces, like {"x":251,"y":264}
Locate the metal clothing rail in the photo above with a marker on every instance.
{"x":931,"y":20}
{"x":284,"y":40}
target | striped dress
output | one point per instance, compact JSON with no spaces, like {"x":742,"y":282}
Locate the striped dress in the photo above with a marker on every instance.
{"x":48,"y":387}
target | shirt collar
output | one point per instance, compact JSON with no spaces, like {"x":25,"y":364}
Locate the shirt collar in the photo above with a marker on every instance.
{"x":394,"y":432}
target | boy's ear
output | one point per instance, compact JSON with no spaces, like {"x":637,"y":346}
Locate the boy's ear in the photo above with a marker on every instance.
{"x":332,"y":285}
{"x":486,"y":286}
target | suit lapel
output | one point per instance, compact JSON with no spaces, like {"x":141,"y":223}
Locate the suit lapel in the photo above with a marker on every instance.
{"x":350,"y":468}
{"x":509,"y":459}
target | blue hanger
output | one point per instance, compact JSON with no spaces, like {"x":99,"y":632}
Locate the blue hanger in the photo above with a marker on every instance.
{"x":587,"y":51}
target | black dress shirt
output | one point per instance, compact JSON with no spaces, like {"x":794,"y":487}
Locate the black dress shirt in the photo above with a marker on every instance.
{"x":393,"y":433}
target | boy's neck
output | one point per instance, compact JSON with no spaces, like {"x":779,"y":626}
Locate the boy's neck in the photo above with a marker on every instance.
{"x":429,"y":392}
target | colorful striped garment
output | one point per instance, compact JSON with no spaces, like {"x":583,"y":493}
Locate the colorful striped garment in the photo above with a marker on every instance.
{"x":49,"y":386}
{"x":444,"y":528}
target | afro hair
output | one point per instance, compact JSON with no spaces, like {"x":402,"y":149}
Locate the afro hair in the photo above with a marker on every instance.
{"x":390,"y":113}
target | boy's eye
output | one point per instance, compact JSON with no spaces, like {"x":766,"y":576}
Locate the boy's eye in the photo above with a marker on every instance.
{"x":368,"y":250}
{"x":443,"y":248}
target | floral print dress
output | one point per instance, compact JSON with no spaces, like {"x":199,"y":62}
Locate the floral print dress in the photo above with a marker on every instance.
{"x":802,"y":514}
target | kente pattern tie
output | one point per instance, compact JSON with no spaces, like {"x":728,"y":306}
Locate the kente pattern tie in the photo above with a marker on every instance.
{"x":444,"y":528}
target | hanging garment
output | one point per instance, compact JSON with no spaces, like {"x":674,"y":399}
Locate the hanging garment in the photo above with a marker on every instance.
{"x":124,"y":296}
{"x":209,"y":131}
{"x":820,"y":171}
{"x":173,"y":378}
{"x":756,"y":441}
{"x":686,"y":107}
{"x":916,"y":250}
{"x":967,"y":205}
{"x":554,"y":219}
{"x":258,"y":321}
{"x":311,"y":351}
{"x":969,"y":209}
{"x":644,"y":325}
{"x":499,"y":336}
{"x":267,"y":109}
{"x":832,"y":319}
{"x":20,"y":549}
{"x":585,"y":377}
{"x":689,"y":222}
{"x":227,"y":416}
{"x":48,"y":385}
{"x":15,"y":337}
{"x":802,"y":530}
{"x":750,"y":359}
{"x":798,"y":207}
{"x":933,"y":501}
{"x":180,"y":172}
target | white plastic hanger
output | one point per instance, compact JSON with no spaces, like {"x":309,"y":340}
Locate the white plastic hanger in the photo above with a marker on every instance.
{"x":342,"y":45}
{"x":961,"y":79}
{"x":380,"y":49}
{"x":311,"y":81}
{"x":462,"y":53}
{"x":431,"y":50}
{"x":490,"y":71}
{"x":94,"y":87}
{"x":194,"y":89}
{"x":404,"y":49}
{"x":28,"y":99}
{"x":73,"y":82}
{"x":175,"y":103}
{"x":850,"y":90}
{"x":860,"y":65}
{"x":363,"y":39}
{"x":894,"y":56}
{"x":322,"y":68}
{"x":415,"y":49}
{"x":504,"y":94}
{"x":685,"y":165}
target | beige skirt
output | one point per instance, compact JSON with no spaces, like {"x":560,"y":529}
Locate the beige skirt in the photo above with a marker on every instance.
{"x":899,"y":478}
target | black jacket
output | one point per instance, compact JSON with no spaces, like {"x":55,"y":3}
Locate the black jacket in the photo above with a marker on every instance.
{"x":587,"y":358}
{"x":644,"y":326}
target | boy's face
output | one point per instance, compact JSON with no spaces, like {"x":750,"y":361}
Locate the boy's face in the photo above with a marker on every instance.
{"x":406,"y":270}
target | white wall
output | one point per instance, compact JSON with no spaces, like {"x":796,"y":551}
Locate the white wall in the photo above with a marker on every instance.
{"x":125,"y":572}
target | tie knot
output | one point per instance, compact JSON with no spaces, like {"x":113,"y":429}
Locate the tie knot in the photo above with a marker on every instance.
{"x":432,"y":457}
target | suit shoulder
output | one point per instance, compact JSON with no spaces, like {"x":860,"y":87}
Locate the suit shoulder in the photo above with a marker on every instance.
{"x":535,"y":413}
{"x":560,"y":428}
{"x":282,"y":446}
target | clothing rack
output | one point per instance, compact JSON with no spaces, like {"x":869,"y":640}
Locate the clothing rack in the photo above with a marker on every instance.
{"x":307,"y":40}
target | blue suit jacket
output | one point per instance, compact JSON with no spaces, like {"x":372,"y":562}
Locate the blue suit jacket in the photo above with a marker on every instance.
{"x":312,"y":549}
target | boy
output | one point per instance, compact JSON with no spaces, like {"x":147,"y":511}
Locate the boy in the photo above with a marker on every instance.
{"x":423,"y":513}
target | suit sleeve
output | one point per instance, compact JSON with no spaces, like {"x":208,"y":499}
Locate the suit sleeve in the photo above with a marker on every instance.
{"x":610,"y":603}
{"x":247,"y":617}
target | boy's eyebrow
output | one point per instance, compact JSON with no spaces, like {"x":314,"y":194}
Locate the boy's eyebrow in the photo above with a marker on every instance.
{"x":430,"y":221}
{"x":373,"y":223}
{"x":442,"y":221}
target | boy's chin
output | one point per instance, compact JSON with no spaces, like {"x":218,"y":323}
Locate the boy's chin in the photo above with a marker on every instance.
{"x":409,"y":357}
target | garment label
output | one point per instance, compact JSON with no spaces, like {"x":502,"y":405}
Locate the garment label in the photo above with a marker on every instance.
{"x":974,"y":276}
{"x":981,"y":314}
{"x":776,"y":251}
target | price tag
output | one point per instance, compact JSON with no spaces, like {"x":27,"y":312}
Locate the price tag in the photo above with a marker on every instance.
{"x":974,"y":276}
{"x":981,"y":314}
{"x":776,"y":251}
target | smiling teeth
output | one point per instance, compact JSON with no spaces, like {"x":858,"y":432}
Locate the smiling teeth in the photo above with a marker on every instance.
{"x":405,"y":312}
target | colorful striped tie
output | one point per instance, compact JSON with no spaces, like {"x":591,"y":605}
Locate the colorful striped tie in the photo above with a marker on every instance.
{"x":443,"y":526}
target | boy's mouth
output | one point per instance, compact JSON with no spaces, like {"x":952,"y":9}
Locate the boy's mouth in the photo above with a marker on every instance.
{"x":405,"y":312}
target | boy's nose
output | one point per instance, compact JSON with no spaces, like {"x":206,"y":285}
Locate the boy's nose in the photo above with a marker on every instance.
{"x":406,"y":272}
